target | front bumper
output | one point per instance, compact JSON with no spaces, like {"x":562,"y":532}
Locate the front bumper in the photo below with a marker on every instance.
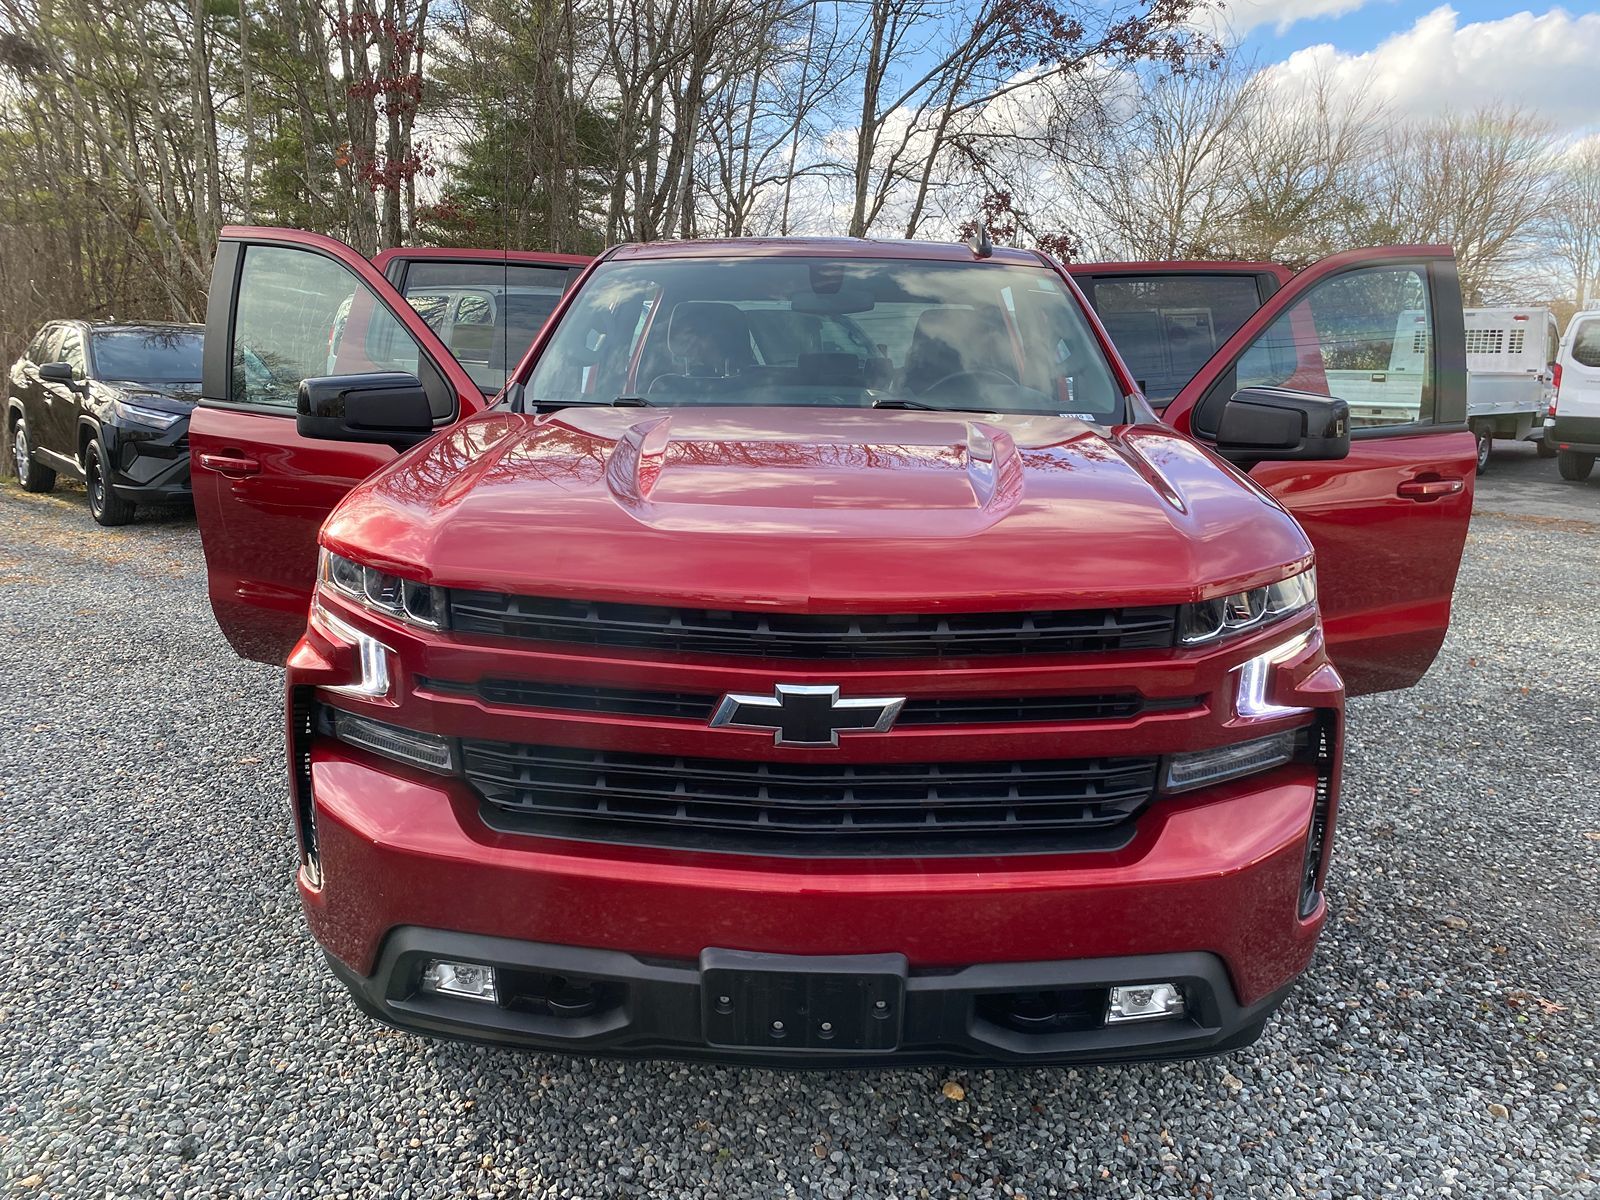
{"x":1208,"y":890}
{"x":655,"y":1009}
{"x":149,"y":466}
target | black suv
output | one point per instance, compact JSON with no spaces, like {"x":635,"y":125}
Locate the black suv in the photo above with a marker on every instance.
{"x":109,"y":404}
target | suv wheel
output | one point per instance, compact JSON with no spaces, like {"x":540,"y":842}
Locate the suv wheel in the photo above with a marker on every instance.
{"x":1485,"y":445}
{"x":30,"y":474}
{"x":1574,"y":466}
{"x":105,"y":506}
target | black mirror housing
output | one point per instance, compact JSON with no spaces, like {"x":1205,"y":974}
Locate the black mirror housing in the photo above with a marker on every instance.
{"x":58,"y":372}
{"x":388,"y":406}
{"x":1262,"y":424}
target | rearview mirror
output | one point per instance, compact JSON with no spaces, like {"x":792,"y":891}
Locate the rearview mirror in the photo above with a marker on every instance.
{"x":1261,"y":424}
{"x":389,"y":407}
{"x":57,"y":372}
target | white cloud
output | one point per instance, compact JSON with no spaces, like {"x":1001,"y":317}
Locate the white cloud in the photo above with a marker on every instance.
{"x":1239,"y":17}
{"x":1542,"y":62}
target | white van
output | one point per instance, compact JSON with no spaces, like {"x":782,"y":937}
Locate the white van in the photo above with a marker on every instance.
{"x":1573,"y":423}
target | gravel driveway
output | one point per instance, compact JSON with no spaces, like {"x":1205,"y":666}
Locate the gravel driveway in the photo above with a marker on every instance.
{"x":167,"y":1028}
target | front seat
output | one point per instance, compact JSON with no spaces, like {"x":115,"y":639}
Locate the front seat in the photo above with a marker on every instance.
{"x":952,"y":339}
{"x":709,"y":339}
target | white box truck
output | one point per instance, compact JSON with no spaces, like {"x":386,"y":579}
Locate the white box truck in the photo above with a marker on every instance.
{"x":1510,"y":353}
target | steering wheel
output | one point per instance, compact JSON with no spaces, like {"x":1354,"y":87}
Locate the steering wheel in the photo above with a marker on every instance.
{"x":992,"y":373}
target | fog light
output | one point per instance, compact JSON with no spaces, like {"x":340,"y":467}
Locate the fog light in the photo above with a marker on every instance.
{"x":426,"y":750}
{"x":1200,"y":767}
{"x":470,"y":981}
{"x":1145,"y":1002}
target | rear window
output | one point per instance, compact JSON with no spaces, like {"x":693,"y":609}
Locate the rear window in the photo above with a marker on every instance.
{"x":1586,"y":344}
{"x":1167,"y":325}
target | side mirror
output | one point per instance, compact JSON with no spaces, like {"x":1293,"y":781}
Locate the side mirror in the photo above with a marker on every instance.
{"x":388,"y":407}
{"x":1261,"y":424}
{"x":58,"y":372}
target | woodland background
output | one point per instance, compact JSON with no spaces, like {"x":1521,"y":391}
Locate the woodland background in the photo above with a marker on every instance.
{"x":131,"y":131}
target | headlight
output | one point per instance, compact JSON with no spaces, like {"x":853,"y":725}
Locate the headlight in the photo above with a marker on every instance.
{"x":141,"y":415}
{"x":402,"y":599}
{"x":1227,"y":615}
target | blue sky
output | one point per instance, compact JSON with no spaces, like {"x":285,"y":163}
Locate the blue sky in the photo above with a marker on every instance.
{"x":1427,"y":56}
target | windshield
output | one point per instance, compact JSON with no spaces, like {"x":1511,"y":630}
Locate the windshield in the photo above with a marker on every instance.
{"x":148,"y":355}
{"x":828,"y":332}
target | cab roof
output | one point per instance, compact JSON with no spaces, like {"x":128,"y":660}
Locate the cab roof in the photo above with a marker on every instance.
{"x":829,"y":247}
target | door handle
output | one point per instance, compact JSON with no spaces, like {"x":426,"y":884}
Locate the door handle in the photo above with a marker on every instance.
{"x":1429,"y":489}
{"x":235,"y":466}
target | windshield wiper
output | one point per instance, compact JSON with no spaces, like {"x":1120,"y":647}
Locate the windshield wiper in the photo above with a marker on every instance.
{"x":902,"y":402}
{"x":618,"y":402}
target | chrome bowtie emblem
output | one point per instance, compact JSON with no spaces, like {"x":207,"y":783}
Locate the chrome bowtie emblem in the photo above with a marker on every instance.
{"x":806,"y":715}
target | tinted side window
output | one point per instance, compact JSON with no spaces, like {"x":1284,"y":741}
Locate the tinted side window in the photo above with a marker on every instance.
{"x":1364,"y":337}
{"x":39,"y":349}
{"x":487,"y":312}
{"x":301,"y":315}
{"x":71,"y":351}
{"x":1586,"y":344}
{"x":1167,"y":326}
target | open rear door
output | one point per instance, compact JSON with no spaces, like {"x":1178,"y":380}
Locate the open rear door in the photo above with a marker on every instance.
{"x":1381,"y":329}
{"x":286,"y":306}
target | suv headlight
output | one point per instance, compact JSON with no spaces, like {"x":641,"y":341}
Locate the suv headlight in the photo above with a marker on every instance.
{"x":156,"y":418}
{"x":1227,"y":615}
{"x":403,"y":599}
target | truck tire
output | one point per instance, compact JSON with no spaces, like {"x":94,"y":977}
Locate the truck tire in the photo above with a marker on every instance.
{"x":1546,"y":447}
{"x":105,"y":506}
{"x":1485,"y":446}
{"x":1574,"y":466}
{"x":30,"y":474}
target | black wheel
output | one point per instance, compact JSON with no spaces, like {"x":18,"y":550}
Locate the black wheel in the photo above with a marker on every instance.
{"x":1485,"y":445}
{"x":1546,"y":447}
{"x":105,"y":506}
{"x":30,"y":474}
{"x":1574,"y":466}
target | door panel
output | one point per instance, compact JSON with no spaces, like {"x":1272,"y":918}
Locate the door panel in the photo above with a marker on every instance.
{"x":61,"y":402}
{"x":284,"y":306}
{"x":1383,"y":330}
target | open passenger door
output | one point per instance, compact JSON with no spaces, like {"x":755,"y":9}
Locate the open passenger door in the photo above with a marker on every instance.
{"x":286,"y":306}
{"x":1389,"y":521}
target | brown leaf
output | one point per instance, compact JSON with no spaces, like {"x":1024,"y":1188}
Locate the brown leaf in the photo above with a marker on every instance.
{"x":953,"y":1090}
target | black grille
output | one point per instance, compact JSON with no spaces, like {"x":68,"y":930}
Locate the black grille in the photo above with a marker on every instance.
{"x":839,"y":808}
{"x":699,"y":706}
{"x":802,"y":635}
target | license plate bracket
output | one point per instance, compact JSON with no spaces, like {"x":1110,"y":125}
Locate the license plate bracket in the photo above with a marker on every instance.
{"x":817,"y":1004}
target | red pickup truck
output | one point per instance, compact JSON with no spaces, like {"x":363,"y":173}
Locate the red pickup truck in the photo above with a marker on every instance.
{"x":823,"y":651}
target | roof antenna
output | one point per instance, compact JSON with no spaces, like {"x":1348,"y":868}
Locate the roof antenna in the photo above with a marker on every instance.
{"x":979,"y":242}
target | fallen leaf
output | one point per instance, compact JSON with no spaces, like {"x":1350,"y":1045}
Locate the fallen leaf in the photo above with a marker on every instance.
{"x":1591,"y":835}
{"x":1456,"y":922}
{"x":953,"y":1090}
{"x":1233,"y":1081}
{"x":1499,"y":1110}
{"x":248,"y":759}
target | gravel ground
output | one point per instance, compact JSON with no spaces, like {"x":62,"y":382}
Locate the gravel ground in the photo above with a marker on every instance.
{"x":167,"y":1029}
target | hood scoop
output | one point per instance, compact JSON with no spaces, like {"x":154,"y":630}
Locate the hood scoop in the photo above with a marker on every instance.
{"x":966,"y":476}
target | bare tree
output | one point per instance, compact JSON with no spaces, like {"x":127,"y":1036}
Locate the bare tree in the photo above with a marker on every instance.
{"x":1477,"y":181}
{"x":1571,"y":231}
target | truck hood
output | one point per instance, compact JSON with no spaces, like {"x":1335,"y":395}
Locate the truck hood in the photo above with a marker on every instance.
{"x":819,"y":510}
